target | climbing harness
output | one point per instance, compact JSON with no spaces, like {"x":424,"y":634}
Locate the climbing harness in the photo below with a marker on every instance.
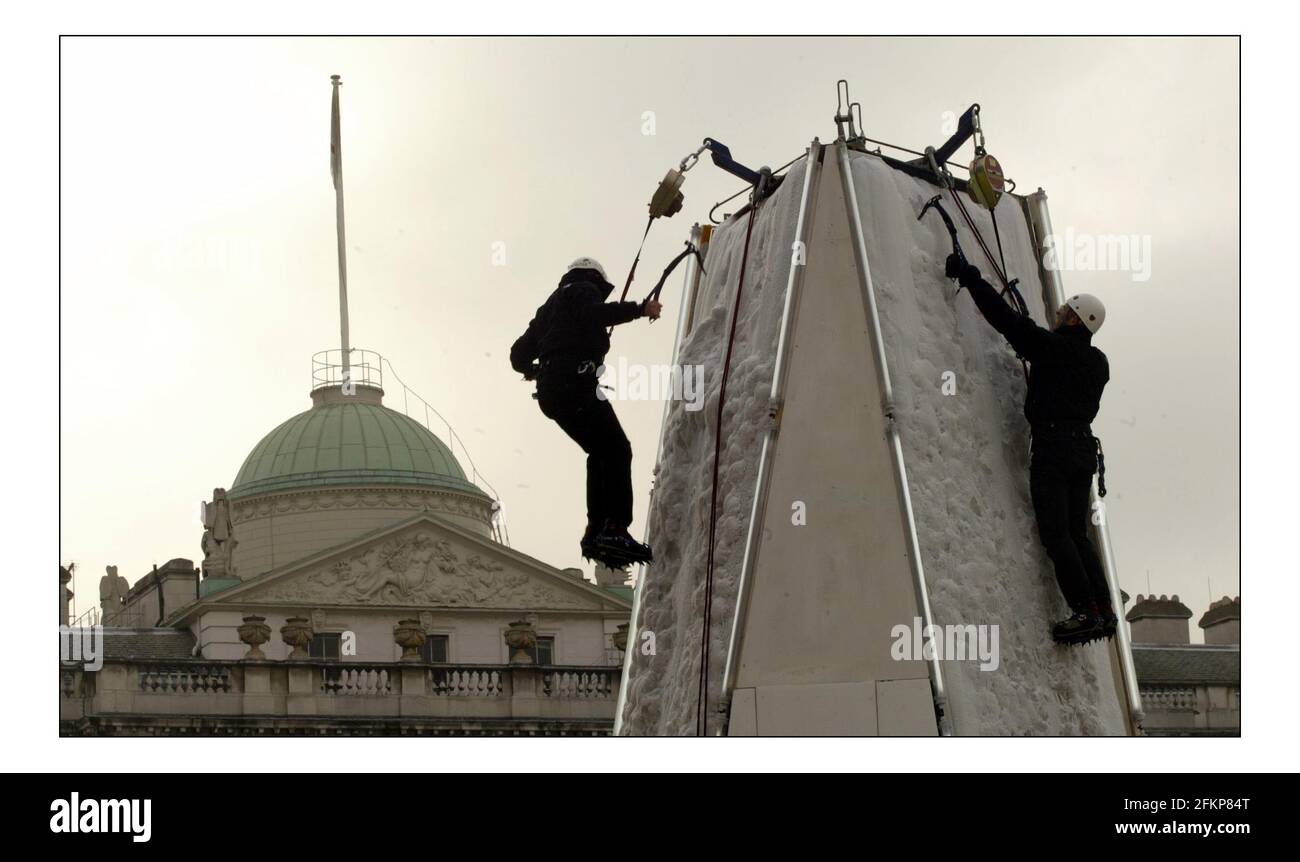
{"x":701,"y":712}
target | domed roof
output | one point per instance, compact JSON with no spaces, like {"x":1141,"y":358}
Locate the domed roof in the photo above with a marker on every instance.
{"x":349,"y":441}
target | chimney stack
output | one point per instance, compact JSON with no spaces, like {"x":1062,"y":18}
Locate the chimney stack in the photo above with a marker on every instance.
{"x":1222,"y":622}
{"x":1160,"y":620}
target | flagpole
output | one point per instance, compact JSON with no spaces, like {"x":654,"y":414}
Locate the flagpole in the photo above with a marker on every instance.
{"x":336,"y":169}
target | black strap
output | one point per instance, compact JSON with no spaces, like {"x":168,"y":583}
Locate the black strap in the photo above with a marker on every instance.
{"x":1002,"y":258}
{"x":1017,"y":300}
{"x":1101,"y":468}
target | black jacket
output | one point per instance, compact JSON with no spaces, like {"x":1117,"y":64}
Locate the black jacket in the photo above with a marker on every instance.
{"x":1068,"y":373}
{"x":572,"y":325}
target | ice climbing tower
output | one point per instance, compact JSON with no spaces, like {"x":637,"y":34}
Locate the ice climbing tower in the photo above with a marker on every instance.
{"x":872,"y":483}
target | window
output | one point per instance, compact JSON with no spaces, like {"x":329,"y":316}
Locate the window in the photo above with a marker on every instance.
{"x":544,"y":652}
{"x":325,"y":646}
{"x":435,"y":648}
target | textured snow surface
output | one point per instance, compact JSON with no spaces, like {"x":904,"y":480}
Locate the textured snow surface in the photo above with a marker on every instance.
{"x":664,"y":688}
{"x":966,"y":456}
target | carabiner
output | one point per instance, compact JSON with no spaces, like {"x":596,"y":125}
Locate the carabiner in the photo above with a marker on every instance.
{"x":978,"y":132}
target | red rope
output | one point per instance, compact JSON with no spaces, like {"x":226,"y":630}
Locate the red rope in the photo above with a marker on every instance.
{"x":631,"y":273}
{"x":701,"y":714}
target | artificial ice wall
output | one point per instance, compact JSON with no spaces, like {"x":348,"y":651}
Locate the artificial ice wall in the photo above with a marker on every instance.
{"x":966,"y":454}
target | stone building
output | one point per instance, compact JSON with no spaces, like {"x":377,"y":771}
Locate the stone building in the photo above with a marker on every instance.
{"x":1188,"y":689}
{"x":353,"y":582}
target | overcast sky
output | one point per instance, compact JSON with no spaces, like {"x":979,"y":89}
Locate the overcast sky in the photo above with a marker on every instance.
{"x":199,"y":272}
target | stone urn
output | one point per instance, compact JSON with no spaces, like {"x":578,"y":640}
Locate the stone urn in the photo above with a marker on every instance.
{"x":620,"y":638}
{"x":409,"y":635}
{"x":297,"y":633}
{"x":254,"y":632}
{"x":521,"y":637}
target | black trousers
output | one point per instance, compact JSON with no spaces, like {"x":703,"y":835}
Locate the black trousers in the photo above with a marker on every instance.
{"x":571,"y":402}
{"x":1060,"y":478}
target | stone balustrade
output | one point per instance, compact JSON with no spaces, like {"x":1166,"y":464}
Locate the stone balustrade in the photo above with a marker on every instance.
{"x":468,"y":680}
{"x":587,"y":683}
{"x":184,"y":677}
{"x":314,"y":695}
{"x":1168,"y":698}
{"x":351,"y":680}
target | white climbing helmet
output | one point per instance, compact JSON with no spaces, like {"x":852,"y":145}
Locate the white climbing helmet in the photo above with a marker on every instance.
{"x":1089,"y":309}
{"x":588,"y":263}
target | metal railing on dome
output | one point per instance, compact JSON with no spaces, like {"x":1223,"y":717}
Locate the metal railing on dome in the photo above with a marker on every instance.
{"x":363,"y":368}
{"x":366,"y":368}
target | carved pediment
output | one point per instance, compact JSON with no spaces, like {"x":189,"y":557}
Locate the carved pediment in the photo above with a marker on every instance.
{"x":418,"y":567}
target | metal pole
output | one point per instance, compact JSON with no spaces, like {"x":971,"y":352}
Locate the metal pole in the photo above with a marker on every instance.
{"x":690,"y":297}
{"x":1041,"y":221}
{"x":336,"y":170}
{"x":794,"y":284}
{"x":891,"y":425}
{"x":689,"y":288}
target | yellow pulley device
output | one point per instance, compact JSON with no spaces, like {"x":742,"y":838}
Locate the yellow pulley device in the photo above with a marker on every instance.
{"x":986,"y":180}
{"x":668,"y":197}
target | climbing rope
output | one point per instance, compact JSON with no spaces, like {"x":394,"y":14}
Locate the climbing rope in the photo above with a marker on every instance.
{"x":1008,"y":285}
{"x":631,"y":273}
{"x":701,"y":712}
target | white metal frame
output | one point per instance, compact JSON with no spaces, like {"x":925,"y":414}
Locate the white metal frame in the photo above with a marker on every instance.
{"x":895,"y":441}
{"x":812,"y":174}
{"x":690,"y":288}
{"x":1041,"y":222}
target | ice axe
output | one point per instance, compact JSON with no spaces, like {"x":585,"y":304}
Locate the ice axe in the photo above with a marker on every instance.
{"x":690,"y":250}
{"x":937,"y":204}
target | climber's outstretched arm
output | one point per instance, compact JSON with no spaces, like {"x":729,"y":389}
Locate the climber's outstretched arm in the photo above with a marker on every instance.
{"x":1028,"y":338}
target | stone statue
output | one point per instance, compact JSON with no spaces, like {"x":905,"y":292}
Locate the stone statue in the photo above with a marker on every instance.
{"x":112,"y":594}
{"x":218,"y":537}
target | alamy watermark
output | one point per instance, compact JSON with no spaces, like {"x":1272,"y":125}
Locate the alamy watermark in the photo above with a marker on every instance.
{"x":634,"y":382}
{"x":82,"y":644}
{"x":946,"y":643}
{"x":1085,"y":252}
{"x":130,"y":816}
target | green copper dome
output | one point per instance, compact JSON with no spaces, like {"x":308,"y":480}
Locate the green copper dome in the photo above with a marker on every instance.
{"x":349,"y":441}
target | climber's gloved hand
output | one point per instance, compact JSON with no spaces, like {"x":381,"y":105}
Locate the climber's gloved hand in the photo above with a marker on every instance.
{"x":651,"y":308}
{"x":961,"y":269}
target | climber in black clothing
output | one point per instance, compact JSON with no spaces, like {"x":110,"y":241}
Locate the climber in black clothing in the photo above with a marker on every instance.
{"x":562,"y":350}
{"x":1065,"y":385}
